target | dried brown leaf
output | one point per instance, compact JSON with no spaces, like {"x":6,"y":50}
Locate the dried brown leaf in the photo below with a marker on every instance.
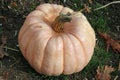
{"x":13,"y":4}
{"x":90,"y":1}
{"x":87,"y":8}
{"x":110,"y":42}
{"x":103,"y":73}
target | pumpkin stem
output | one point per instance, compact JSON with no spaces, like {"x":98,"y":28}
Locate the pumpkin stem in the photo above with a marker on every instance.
{"x":60,"y":20}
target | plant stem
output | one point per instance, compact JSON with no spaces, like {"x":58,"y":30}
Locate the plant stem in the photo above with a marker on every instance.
{"x":114,"y":2}
{"x":59,"y":22}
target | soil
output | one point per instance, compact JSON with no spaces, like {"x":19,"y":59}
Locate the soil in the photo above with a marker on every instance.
{"x":11,"y":19}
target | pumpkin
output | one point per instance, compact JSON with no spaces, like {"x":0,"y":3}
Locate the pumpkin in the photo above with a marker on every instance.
{"x":56,"y":40}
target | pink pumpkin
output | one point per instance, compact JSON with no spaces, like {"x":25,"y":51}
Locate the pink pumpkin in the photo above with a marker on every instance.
{"x":56,"y":40}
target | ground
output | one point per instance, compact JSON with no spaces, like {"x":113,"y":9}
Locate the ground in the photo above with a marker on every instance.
{"x":13,"y":66}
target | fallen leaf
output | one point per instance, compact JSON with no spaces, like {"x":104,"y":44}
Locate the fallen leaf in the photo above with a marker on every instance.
{"x":103,"y":73}
{"x":114,"y":44}
{"x":86,"y":9}
{"x":13,"y":4}
{"x":90,"y":1}
{"x":3,"y":19}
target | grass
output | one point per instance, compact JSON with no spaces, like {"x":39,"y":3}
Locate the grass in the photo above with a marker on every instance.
{"x":99,"y":21}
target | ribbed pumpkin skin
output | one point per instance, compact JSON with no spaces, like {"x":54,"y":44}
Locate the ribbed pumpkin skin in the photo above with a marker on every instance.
{"x":52,"y":53}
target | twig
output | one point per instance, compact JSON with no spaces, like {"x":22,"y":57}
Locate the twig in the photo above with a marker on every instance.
{"x":114,"y":2}
{"x":11,"y":48}
{"x":119,"y":66}
{"x":116,"y":77}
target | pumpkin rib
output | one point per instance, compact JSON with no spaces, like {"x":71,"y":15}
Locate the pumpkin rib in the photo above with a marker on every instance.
{"x":58,"y":36}
{"x":47,"y":39}
{"x":58,"y":8}
{"x":36,"y":13}
{"x":33,"y":55}
{"x":63,"y":55}
{"x":29,"y":53}
{"x":50,"y":18}
{"x":90,"y":31}
{"x":25,"y":28}
{"x":63,"y":52}
{"x":52,"y":8}
{"x":73,"y":39}
{"x":90,"y":40}
{"x":31,"y":20}
{"x":42,"y":66}
{"x":81,"y":44}
{"x":86,"y":47}
{"x":69,"y":62}
{"x":33,"y":58}
{"x":24,"y":32}
{"x":29,"y":41}
{"x":77,"y":19}
{"x":27,"y":33}
{"x":74,"y":51}
{"x":53,"y":72}
{"x":43,"y":12}
{"x":44,"y":54}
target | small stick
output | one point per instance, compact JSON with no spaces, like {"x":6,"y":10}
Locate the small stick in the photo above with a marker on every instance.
{"x":116,"y":77}
{"x":114,"y":2}
{"x":11,"y":48}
